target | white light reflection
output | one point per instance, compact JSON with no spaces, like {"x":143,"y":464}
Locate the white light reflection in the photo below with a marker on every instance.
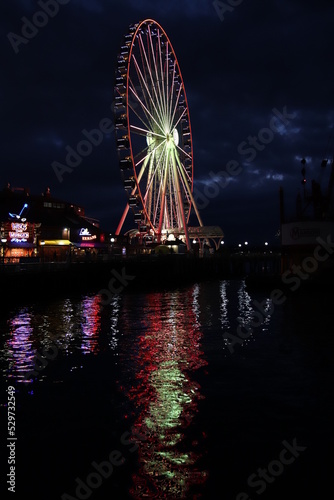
{"x":114,"y":322}
{"x":225,"y":323}
{"x":245,"y":308}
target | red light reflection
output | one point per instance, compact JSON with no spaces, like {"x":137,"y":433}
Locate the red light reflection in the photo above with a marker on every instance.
{"x":166,"y":355}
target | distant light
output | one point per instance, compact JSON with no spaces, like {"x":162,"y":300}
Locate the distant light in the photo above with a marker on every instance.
{"x":266,"y":243}
{"x":222,"y":242}
{"x":246,"y":242}
{"x":112,"y":240}
{"x":3,"y":240}
{"x":42,"y":243}
{"x":239,"y":245}
{"x":194,"y":242}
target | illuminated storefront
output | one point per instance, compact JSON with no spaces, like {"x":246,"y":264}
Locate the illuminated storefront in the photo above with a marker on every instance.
{"x":18,"y":240}
{"x":46,"y":228}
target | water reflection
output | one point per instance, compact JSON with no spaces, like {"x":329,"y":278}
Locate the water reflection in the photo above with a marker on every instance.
{"x":249,"y":313}
{"x":90,"y":324}
{"x":18,"y":350}
{"x":165,"y":356}
{"x":67,"y":326}
{"x":224,"y":320}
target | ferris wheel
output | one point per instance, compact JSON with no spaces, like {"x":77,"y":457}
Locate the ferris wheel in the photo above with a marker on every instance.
{"x":153,"y":133}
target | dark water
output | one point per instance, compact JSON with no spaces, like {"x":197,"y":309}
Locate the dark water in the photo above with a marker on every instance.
{"x":142,"y":398}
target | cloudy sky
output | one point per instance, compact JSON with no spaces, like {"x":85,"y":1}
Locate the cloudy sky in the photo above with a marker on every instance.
{"x":259,"y":81}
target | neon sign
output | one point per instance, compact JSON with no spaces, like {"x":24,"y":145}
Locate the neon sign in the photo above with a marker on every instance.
{"x":84,"y":232}
{"x":86,"y":235}
{"x":89,"y":238}
{"x":19,"y":232}
{"x":18,"y":216}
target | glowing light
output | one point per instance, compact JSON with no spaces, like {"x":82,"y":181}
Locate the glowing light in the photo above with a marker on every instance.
{"x":86,"y":235}
{"x":176,"y":137}
{"x":89,"y":238}
{"x":56,"y":242}
{"x":18,"y":216}
{"x":19,"y":233}
{"x":84,"y":232}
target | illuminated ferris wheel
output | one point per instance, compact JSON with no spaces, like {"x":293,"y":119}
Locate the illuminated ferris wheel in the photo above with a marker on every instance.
{"x":153,"y":133}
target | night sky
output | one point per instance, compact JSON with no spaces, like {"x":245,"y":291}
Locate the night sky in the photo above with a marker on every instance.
{"x":242,"y":66}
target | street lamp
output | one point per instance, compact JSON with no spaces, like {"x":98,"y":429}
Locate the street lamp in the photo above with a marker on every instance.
{"x":3,"y":243}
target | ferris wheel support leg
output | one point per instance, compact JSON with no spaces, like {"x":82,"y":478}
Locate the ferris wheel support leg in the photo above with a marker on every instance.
{"x":121,"y":222}
{"x":163,"y":199}
{"x":183,"y":216}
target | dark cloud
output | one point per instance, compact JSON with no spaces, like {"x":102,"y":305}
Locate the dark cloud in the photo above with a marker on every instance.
{"x":263,"y":56}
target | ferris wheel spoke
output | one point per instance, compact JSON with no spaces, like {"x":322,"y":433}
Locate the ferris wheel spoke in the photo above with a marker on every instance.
{"x":158,"y":164}
{"x":184,"y":152}
{"x":141,"y":119}
{"x":180,"y":118}
{"x":141,"y":81}
{"x":148,"y":195}
{"x":148,"y":155}
{"x":134,"y":104}
{"x":144,"y":90}
{"x":154,"y":57}
{"x":189,"y":187}
{"x":163,"y":193}
{"x":182,"y":166}
{"x":158,"y":179}
{"x":146,"y":110}
{"x":148,"y":94}
{"x":172,"y":87}
{"x":149,"y":81}
{"x":148,"y":65}
{"x":145,"y":132}
{"x":162,"y":83}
